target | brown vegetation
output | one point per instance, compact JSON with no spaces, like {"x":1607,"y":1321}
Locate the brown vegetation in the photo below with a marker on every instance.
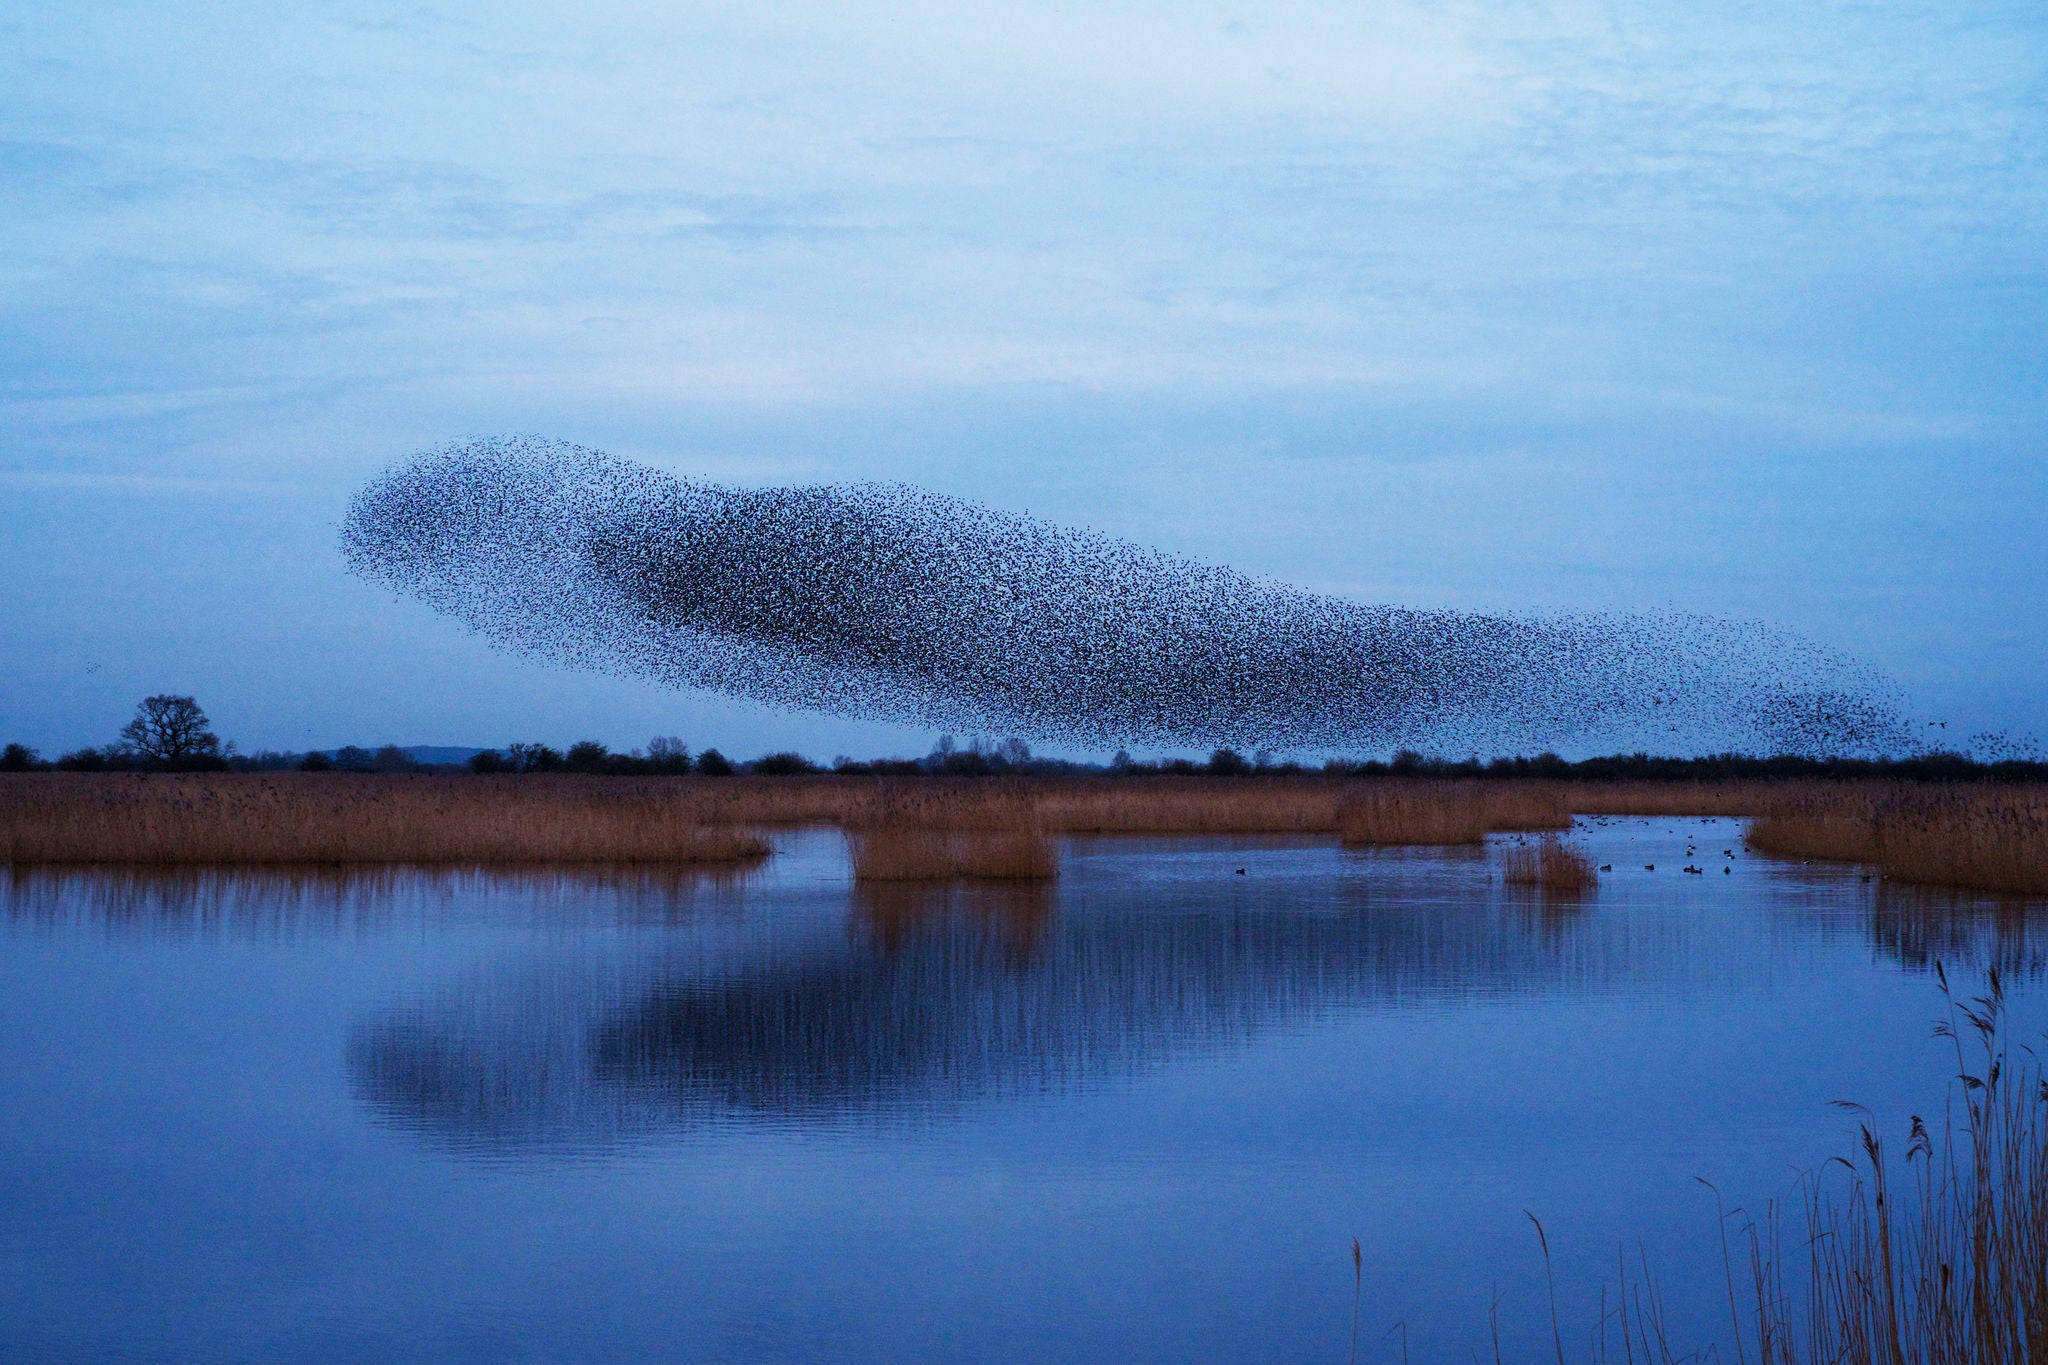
{"x":294,"y":818}
{"x":1434,"y":812}
{"x":1982,"y":837}
{"x":1976,"y":836}
{"x":1548,"y":865}
{"x":1191,"y":805}
{"x":909,"y":833}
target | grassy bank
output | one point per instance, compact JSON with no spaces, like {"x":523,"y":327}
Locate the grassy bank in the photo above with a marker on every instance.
{"x":1977,"y":836}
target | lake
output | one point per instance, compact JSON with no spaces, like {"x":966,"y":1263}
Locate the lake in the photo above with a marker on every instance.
{"x":1140,"y":1113}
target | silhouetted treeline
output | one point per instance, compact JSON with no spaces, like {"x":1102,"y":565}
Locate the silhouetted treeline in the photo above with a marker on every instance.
{"x":665,"y":756}
{"x":170,"y":733}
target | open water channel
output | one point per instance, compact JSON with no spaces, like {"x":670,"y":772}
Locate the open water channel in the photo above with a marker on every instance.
{"x":1138,"y":1114}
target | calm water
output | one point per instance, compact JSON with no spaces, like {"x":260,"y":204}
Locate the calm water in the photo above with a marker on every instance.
{"x":1138,"y":1115}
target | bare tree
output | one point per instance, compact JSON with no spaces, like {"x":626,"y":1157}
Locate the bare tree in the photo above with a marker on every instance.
{"x":170,"y":732}
{"x":667,"y":754}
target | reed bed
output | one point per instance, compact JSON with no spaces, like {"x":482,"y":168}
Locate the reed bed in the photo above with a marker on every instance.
{"x":1443,"y":813}
{"x":1415,"y":813}
{"x":1680,"y":799}
{"x":1549,"y":865}
{"x":908,"y":835}
{"x":328,"y":818}
{"x":1192,"y":805}
{"x":1977,"y":837}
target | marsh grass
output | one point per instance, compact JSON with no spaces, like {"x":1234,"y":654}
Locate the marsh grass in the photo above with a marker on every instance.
{"x":1415,"y":813}
{"x":910,"y":834}
{"x":1979,"y":837}
{"x":1192,"y":805}
{"x":328,"y":818}
{"x":1448,"y":813}
{"x":1549,"y":865}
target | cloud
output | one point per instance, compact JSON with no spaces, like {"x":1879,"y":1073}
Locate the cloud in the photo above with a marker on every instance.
{"x":1208,"y":244}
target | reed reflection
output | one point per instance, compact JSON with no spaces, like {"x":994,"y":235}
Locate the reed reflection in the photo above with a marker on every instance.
{"x":919,"y":1000}
{"x":803,"y":1002}
{"x":316,"y":899}
{"x":1918,"y":926}
{"x":1010,"y":916}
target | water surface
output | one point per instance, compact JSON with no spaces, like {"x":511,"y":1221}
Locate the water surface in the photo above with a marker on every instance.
{"x":624,"y":1114}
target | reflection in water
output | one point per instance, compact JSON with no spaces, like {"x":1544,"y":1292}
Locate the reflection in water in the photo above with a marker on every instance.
{"x":329,"y":898}
{"x":1917,"y":926}
{"x":809,"y":1002}
{"x":897,"y":916}
{"x":907,"y":1001}
{"x":802,"y":1112}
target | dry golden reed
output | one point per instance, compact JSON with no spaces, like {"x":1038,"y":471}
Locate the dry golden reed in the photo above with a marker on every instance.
{"x":1979,"y":837}
{"x":1191,"y":805}
{"x":951,"y":830}
{"x":1975,"y":836}
{"x":1428,"y":812}
{"x":1943,"y":1261}
{"x":1548,"y":865}
{"x":336,"y":818}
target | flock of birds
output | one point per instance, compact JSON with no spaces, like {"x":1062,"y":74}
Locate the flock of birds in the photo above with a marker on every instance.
{"x":892,"y":603}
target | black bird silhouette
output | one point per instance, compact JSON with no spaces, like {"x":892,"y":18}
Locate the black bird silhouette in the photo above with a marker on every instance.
{"x":892,"y":603}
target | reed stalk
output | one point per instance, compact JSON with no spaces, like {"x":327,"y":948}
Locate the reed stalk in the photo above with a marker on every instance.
{"x":1956,"y":1273}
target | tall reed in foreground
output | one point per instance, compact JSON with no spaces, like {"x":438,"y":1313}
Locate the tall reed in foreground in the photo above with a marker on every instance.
{"x":1961,"y":1275}
{"x":1951,"y":1271}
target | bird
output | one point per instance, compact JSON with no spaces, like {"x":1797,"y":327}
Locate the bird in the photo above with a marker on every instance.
{"x":1240,"y":872}
{"x":1649,"y":867}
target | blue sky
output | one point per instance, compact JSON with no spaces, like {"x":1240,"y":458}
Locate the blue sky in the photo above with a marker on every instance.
{"x":1727,"y":308}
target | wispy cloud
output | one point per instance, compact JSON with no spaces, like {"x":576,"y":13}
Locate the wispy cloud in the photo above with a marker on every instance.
{"x":266,"y":244}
